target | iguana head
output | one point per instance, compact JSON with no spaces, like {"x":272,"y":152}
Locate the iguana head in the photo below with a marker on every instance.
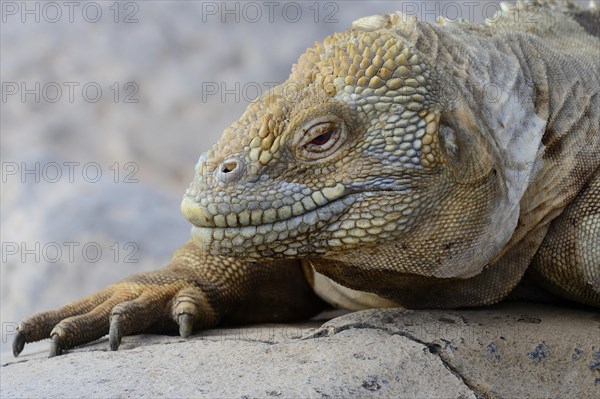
{"x":356,"y":151}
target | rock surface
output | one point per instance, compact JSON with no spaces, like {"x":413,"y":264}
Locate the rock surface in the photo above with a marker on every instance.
{"x":509,"y":350}
{"x":170,"y":54}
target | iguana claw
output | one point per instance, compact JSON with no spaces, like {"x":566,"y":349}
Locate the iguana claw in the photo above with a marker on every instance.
{"x":114,"y":333}
{"x":186,"y":324}
{"x":18,"y":343}
{"x":56,"y":346}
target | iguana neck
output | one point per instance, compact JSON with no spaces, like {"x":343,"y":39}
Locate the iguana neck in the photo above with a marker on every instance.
{"x":518,"y":84}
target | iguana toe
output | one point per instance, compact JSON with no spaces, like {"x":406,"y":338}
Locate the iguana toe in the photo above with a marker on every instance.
{"x":189,"y":308}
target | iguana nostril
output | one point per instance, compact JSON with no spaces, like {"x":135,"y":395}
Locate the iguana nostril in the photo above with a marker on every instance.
{"x":229,"y":166}
{"x":229,"y":170}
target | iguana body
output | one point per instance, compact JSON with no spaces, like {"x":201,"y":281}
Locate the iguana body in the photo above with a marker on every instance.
{"x":401,"y":164}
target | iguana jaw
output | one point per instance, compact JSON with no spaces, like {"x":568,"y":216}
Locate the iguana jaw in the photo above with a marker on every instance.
{"x":278,"y":238}
{"x":326,"y":230}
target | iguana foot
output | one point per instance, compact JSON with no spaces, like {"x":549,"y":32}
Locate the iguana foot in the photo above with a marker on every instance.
{"x":195,"y":291}
{"x":146,"y":302}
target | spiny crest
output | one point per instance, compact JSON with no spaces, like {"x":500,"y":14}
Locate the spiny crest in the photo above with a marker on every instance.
{"x":526,"y":11}
{"x":558,"y":5}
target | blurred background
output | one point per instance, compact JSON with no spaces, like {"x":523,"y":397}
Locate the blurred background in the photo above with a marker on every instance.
{"x":106,"y":107}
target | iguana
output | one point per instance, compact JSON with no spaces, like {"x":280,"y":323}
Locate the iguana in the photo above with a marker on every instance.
{"x":401,"y":164}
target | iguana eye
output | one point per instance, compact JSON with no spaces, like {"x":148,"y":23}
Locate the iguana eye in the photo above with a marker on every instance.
{"x":321,"y":140}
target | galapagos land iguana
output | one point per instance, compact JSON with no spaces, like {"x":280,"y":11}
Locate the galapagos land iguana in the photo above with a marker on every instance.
{"x":401,"y":164}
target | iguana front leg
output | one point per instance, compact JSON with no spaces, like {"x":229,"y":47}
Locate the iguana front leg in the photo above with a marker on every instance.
{"x":195,"y":291}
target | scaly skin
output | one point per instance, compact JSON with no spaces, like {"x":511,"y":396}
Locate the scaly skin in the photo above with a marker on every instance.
{"x":401,"y":164}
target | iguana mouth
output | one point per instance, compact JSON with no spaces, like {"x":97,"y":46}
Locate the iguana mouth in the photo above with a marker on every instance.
{"x":239,"y":238}
{"x":203,"y":213}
